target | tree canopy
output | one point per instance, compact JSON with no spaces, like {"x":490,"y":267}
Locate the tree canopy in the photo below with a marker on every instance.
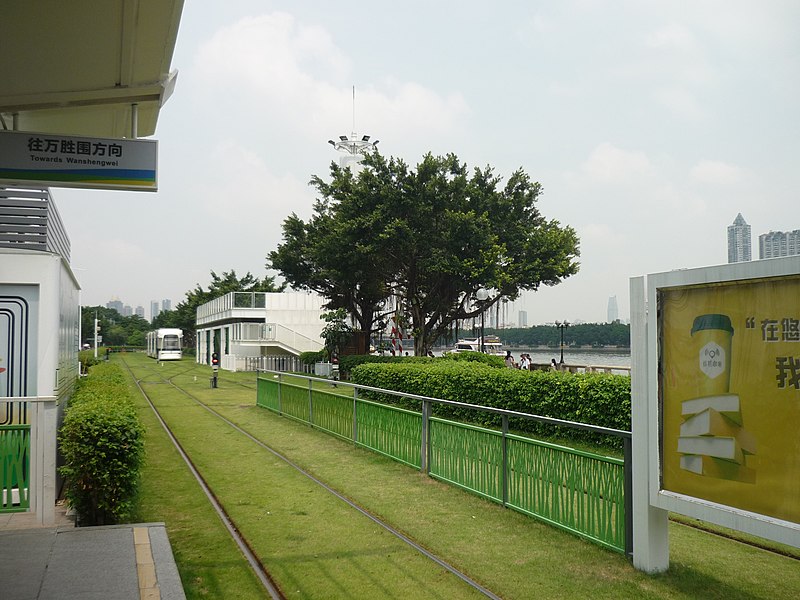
{"x":429,"y":237}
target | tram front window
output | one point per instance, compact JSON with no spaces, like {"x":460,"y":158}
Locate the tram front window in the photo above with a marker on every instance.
{"x":171,"y":343}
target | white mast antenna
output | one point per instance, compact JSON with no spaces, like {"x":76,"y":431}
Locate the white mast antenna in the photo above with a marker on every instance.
{"x":354,"y":147}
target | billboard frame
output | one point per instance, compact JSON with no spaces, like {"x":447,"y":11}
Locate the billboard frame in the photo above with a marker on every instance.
{"x":651,"y":501}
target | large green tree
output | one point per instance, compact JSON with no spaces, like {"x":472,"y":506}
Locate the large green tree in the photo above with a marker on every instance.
{"x":431,"y":237}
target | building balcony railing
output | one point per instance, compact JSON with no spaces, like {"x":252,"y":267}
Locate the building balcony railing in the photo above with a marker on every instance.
{"x":29,"y":220}
{"x":266,"y":333}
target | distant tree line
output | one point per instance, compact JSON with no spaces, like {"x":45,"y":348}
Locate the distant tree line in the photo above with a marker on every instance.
{"x":115,"y":329}
{"x":584,"y":334}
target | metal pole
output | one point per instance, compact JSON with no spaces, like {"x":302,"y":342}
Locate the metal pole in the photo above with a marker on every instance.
{"x":627,"y":454}
{"x":280,"y":399}
{"x":505,"y":460}
{"x":310,"y":404}
{"x":483,"y":346}
{"x":355,"y":415}
{"x":424,"y":448}
{"x":134,"y":121}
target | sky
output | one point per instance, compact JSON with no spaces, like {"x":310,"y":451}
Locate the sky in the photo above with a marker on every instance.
{"x":650,"y":126}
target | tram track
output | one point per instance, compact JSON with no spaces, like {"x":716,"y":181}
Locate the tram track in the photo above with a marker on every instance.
{"x":244,"y":546}
{"x":236,"y":534}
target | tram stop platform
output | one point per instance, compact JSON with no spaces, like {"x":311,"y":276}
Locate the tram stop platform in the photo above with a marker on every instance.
{"x":117,"y":562}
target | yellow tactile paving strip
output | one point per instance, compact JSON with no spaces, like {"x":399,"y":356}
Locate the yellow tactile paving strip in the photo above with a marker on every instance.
{"x":145,"y":566}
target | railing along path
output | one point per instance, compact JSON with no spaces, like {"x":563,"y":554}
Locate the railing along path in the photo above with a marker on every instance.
{"x":584,"y":493}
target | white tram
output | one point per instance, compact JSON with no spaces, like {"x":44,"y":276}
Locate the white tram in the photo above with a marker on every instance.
{"x":165,"y":344}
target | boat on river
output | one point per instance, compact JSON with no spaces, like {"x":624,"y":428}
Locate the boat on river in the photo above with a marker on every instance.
{"x":491,"y":345}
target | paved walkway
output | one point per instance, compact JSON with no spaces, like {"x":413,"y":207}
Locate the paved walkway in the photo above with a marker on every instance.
{"x":120,"y":562}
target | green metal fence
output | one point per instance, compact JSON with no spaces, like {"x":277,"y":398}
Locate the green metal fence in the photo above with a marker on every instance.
{"x":15,"y":441}
{"x":583,"y":493}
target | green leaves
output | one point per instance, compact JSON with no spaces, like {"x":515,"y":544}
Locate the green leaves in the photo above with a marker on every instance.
{"x":103,"y":446}
{"x":428,"y":237}
{"x":596,"y":399}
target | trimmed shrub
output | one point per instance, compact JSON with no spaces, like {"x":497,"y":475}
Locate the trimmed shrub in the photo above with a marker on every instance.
{"x":491,"y":360}
{"x":594,"y":399}
{"x":348,"y":362}
{"x":310,"y":358}
{"x":102,"y":442}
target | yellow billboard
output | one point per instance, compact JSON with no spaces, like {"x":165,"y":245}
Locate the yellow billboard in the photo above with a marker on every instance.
{"x":729,"y":382}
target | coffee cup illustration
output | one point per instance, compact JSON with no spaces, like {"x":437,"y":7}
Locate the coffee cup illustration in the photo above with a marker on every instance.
{"x":712,"y":335}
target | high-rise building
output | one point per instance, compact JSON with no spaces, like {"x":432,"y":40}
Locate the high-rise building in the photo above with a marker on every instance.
{"x":140,"y":311}
{"x":116,"y":304}
{"x":154,"y":310}
{"x":523,"y":318}
{"x":739,"y":246}
{"x":779,"y":243}
{"x":166,"y":305}
{"x":127,"y":311}
{"x":613,"y":309}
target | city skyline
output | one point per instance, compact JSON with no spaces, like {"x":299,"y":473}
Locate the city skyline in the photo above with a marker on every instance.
{"x":644,"y":123}
{"x":126,"y":310}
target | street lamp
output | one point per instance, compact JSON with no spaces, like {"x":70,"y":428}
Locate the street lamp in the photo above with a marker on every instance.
{"x":482,"y":295}
{"x":562,"y":326}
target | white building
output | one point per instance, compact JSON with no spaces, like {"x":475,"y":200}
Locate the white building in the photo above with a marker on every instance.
{"x":154,"y":310}
{"x":739,"y":245}
{"x":244,"y":328}
{"x":613,"y":310}
{"x":39,"y":341}
{"x":779,"y":243}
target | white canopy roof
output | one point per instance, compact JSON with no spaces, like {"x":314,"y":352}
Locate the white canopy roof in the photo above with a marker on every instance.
{"x":76,"y":67}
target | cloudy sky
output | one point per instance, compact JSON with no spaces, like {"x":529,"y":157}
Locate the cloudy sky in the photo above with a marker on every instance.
{"x":650,"y":125}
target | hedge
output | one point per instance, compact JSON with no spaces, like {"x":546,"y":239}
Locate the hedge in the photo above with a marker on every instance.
{"x":102,"y":442}
{"x":595,"y":399}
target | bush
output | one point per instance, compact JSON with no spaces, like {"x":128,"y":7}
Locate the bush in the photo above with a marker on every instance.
{"x":102,"y":442}
{"x":491,"y":360}
{"x":595,"y":399}
{"x":310,"y":358}
{"x":348,"y":362}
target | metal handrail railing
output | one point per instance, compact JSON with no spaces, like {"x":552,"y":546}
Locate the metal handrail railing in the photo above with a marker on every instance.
{"x":426,"y":401}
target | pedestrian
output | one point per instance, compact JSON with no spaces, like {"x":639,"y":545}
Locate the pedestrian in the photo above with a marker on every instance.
{"x":553,"y":365}
{"x":524,"y":362}
{"x":509,"y":360}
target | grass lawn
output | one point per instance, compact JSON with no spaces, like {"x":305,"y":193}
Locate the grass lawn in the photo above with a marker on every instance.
{"x":317,"y":547}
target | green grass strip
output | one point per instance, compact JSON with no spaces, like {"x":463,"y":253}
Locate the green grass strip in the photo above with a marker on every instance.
{"x":509,"y":553}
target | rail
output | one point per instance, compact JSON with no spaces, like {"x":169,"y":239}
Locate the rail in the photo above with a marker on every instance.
{"x":587,"y":494}
{"x":27,"y":455}
{"x":609,"y":369}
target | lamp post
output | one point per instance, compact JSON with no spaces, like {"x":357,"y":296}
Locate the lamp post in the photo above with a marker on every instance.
{"x":482,"y":295}
{"x":562,"y":326}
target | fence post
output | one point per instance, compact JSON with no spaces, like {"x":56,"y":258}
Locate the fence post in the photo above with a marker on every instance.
{"x":310,"y":404}
{"x":355,"y":416}
{"x":505,"y":460}
{"x":424,"y":448}
{"x":280,"y":400}
{"x":627,"y":454}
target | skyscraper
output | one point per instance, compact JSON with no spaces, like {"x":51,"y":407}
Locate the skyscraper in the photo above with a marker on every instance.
{"x":613,"y":309}
{"x":154,"y":310}
{"x":116,"y":304}
{"x":739,"y":240}
{"x":779,"y":243}
{"x":523,"y":318}
{"x":166,"y":305}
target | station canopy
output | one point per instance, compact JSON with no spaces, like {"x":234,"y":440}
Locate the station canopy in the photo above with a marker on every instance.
{"x":75,"y":67}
